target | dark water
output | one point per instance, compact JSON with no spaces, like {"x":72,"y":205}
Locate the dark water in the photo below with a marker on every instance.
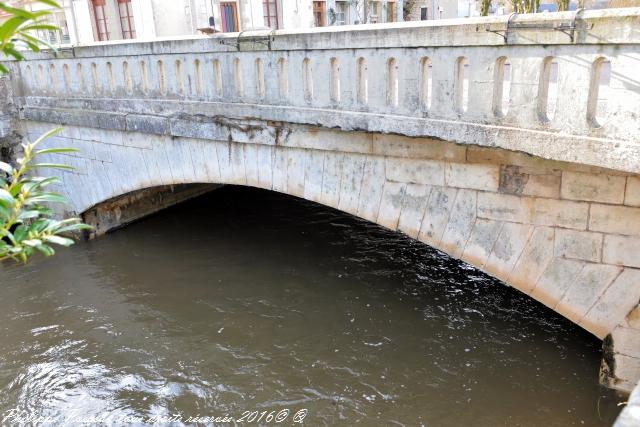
{"x":244,"y":300}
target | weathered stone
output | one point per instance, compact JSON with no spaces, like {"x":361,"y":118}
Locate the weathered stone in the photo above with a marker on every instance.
{"x":414,"y":204}
{"x":537,"y":254}
{"x":415,"y":171}
{"x":592,"y":187}
{"x":626,"y":341}
{"x":585,"y":291}
{"x":436,"y":215}
{"x":547,"y":185}
{"x":480,"y":243}
{"x":578,"y":244}
{"x":476,"y":177}
{"x":616,"y":301}
{"x":621,"y":250}
{"x":615,"y":219}
{"x":391,"y":204}
{"x":632,"y":192}
{"x":417,"y":148}
{"x":507,"y":249}
{"x":512,"y":180}
{"x":503,"y":207}
{"x":560,"y":213}
{"x":556,"y":279}
{"x":460,"y":224}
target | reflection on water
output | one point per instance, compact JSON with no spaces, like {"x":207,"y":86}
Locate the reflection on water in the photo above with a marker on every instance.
{"x":249,"y":300}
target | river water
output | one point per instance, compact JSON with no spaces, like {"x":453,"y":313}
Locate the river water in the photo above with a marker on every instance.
{"x":244,"y":300}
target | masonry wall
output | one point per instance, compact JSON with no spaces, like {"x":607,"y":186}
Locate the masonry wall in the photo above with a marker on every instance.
{"x":568,"y":235}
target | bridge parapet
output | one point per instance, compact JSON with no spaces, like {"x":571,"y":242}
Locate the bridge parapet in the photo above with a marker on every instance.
{"x":561,"y":86}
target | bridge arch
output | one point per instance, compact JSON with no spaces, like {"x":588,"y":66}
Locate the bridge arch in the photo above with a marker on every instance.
{"x":559,"y":226}
{"x":516,"y":217}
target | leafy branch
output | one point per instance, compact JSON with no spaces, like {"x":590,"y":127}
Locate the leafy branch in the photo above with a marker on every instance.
{"x":26,"y":225}
{"x":17,"y":32}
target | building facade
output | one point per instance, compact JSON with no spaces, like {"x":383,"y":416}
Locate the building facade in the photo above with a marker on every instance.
{"x":89,"y":21}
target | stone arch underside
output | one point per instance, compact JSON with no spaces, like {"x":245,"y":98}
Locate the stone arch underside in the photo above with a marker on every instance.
{"x":556,"y":231}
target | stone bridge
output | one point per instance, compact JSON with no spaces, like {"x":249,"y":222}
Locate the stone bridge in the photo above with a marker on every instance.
{"x":512,"y":144}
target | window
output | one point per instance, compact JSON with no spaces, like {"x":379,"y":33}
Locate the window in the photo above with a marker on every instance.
{"x":424,"y":13}
{"x":342,"y":13}
{"x":374,"y":12}
{"x":270,"y":8}
{"x":318,"y":13}
{"x":391,"y":11}
{"x":100,"y":19}
{"x":126,"y":19}
{"x":59,"y":36}
{"x":229,"y":13}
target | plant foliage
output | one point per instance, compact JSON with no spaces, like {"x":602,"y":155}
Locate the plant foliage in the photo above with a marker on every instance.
{"x":26,"y":224}
{"x":18,"y":31}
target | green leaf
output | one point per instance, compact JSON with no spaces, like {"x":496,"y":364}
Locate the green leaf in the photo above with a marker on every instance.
{"x":47,"y":135}
{"x":3,"y":69}
{"x":49,"y":166}
{"x":57,"y":150}
{"x":32,"y":242}
{"x":11,"y":51}
{"x":46,"y":250}
{"x":51,"y":3}
{"x":28,"y":214}
{"x":10,"y":26}
{"x":6,"y":199}
{"x":39,"y":26}
{"x":75,"y":227}
{"x":20,"y":233}
{"x":5,"y":167}
{"x":45,"y":197}
{"x":18,"y":12}
{"x":62,"y":241}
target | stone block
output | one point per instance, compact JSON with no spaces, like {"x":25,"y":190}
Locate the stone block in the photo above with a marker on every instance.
{"x":472,"y":176}
{"x":592,"y":187}
{"x":265,"y":166}
{"x":371,"y":189}
{"x":537,"y":254}
{"x":210,"y":157}
{"x":481,"y":241}
{"x":614,"y":304}
{"x":615,"y":219}
{"x":224,"y":162}
{"x":414,"y":205}
{"x":632,"y":192}
{"x":507,"y":249}
{"x":138,"y":140}
{"x":585,"y":290}
{"x":556,"y":279}
{"x":583,"y":245}
{"x":313,"y":166}
{"x":417,"y":148}
{"x":391,"y":204}
{"x":295,"y":171}
{"x":547,"y":185}
{"x":621,"y":250}
{"x":331,"y":178}
{"x":250,"y":164}
{"x":436,"y":215}
{"x":626,"y":341}
{"x":560,"y":213}
{"x":429,"y":172}
{"x":352,"y":173}
{"x":633,"y":318}
{"x":279,"y":169}
{"x":460,"y":224}
{"x":505,"y":207}
{"x":627,"y":369}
